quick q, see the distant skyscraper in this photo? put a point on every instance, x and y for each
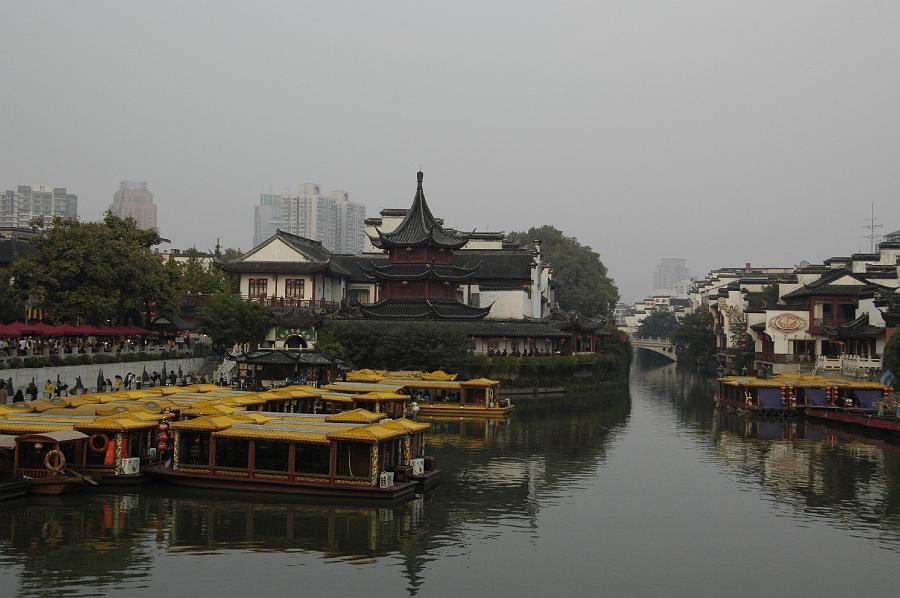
(671, 277)
(18, 208)
(332, 219)
(133, 200)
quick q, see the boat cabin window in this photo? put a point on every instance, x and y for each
(137, 444)
(31, 454)
(353, 459)
(475, 395)
(232, 452)
(312, 459)
(98, 458)
(72, 452)
(271, 456)
(193, 448)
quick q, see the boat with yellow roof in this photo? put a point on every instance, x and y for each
(354, 453)
(435, 393)
(816, 396)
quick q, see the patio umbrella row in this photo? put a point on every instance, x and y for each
(18, 329)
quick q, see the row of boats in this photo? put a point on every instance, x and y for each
(863, 403)
(355, 438)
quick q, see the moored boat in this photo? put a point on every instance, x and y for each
(432, 394)
(355, 453)
(50, 462)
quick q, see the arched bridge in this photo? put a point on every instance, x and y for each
(660, 346)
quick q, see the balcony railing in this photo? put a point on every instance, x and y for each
(784, 357)
(295, 303)
(858, 366)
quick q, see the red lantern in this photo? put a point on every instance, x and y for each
(163, 438)
(163, 427)
(547, 340)
(404, 283)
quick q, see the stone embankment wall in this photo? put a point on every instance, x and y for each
(21, 377)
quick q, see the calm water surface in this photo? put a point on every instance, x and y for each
(645, 491)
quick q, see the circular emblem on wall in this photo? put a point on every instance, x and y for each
(787, 322)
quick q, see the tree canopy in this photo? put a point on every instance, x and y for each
(414, 346)
(230, 320)
(695, 338)
(95, 272)
(658, 324)
(892, 354)
(584, 285)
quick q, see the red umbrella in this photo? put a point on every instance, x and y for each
(22, 328)
(69, 330)
(7, 331)
(105, 331)
(46, 329)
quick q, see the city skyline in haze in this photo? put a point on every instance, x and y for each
(721, 132)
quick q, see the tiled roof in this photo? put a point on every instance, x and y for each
(419, 309)
(419, 228)
(420, 272)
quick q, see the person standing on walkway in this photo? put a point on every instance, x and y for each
(48, 389)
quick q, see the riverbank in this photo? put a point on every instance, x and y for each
(89, 374)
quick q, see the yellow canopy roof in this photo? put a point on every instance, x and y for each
(295, 393)
(406, 425)
(86, 409)
(283, 435)
(208, 423)
(23, 427)
(480, 382)
(439, 375)
(78, 401)
(382, 396)
(372, 433)
(115, 424)
(354, 387)
(356, 416)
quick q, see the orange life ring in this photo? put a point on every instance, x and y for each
(93, 446)
(55, 461)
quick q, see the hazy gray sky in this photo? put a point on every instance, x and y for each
(719, 131)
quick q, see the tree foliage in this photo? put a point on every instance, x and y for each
(419, 346)
(892, 354)
(584, 285)
(96, 272)
(658, 324)
(695, 338)
(228, 320)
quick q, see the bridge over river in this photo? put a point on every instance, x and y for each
(660, 346)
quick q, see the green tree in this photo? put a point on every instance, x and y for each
(11, 307)
(584, 285)
(892, 354)
(229, 320)
(413, 346)
(766, 299)
(96, 272)
(198, 275)
(695, 338)
(658, 324)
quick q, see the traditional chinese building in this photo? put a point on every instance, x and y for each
(419, 280)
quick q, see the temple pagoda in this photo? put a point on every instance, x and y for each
(419, 281)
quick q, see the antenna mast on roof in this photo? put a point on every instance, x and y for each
(872, 226)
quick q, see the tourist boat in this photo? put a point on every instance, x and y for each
(836, 399)
(350, 454)
(50, 462)
(10, 487)
(866, 404)
(436, 397)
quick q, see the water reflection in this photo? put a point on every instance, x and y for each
(846, 478)
(499, 474)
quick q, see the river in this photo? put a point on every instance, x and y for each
(639, 491)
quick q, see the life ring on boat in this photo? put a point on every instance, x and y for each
(92, 443)
(54, 461)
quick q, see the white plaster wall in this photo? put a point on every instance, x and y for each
(21, 377)
(276, 251)
(483, 244)
(782, 339)
(507, 304)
